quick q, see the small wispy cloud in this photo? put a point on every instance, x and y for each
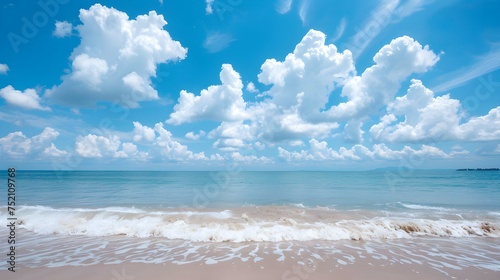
(284, 6)
(4, 68)
(485, 64)
(411, 6)
(63, 29)
(340, 30)
(251, 87)
(388, 12)
(379, 19)
(209, 10)
(216, 42)
(303, 9)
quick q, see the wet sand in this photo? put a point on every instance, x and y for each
(267, 269)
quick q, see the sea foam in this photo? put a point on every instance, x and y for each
(272, 224)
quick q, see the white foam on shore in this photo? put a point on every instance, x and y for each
(424, 207)
(226, 226)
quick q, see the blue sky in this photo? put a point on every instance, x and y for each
(266, 85)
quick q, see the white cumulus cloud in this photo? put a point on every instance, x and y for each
(219, 102)
(4, 68)
(153, 144)
(308, 75)
(193, 136)
(251, 87)
(63, 29)
(425, 117)
(16, 144)
(54, 152)
(27, 99)
(319, 151)
(168, 148)
(420, 116)
(482, 128)
(296, 106)
(143, 133)
(378, 84)
(116, 58)
(94, 146)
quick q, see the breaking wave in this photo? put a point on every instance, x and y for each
(269, 223)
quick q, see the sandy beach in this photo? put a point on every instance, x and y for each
(437, 258)
(268, 269)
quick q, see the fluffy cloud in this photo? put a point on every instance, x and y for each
(4, 68)
(275, 125)
(301, 103)
(307, 76)
(484, 128)
(221, 102)
(353, 132)
(143, 133)
(383, 152)
(94, 146)
(16, 144)
(302, 85)
(27, 99)
(434, 119)
(319, 151)
(63, 29)
(378, 84)
(158, 142)
(193, 136)
(170, 149)
(54, 152)
(116, 58)
(300, 88)
(229, 145)
(425, 117)
(251, 87)
(232, 135)
(236, 156)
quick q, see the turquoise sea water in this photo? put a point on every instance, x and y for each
(467, 190)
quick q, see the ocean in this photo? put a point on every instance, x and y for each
(448, 218)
